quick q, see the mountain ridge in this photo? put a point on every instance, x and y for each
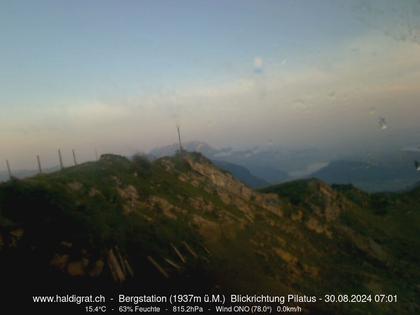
(181, 223)
(232, 159)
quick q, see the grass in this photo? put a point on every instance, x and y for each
(61, 207)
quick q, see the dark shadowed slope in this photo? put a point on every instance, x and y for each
(242, 174)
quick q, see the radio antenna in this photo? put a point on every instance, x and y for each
(39, 164)
(9, 171)
(181, 150)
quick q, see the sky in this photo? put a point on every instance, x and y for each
(118, 76)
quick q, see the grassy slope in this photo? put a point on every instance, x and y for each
(391, 221)
(272, 254)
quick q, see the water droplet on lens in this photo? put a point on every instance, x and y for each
(382, 123)
(258, 65)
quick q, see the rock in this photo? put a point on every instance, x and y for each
(280, 240)
(97, 268)
(313, 224)
(270, 202)
(167, 164)
(75, 186)
(131, 197)
(17, 233)
(286, 256)
(312, 271)
(59, 261)
(297, 216)
(224, 196)
(116, 180)
(77, 268)
(209, 230)
(245, 207)
(378, 250)
(93, 192)
(168, 209)
(218, 178)
(200, 204)
(183, 178)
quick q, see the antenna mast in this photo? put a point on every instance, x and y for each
(8, 169)
(181, 150)
(39, 164)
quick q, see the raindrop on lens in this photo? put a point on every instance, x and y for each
(382, 123)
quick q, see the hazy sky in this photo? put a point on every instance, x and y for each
(119, 75)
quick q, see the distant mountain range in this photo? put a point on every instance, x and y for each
(275, 165)
(369, 177)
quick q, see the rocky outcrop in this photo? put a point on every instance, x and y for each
(168, 209)
(85, 265)
(131, 198)
(77, 267)
(75, 186)
(218, 178)
(60, 261)
(286, 256)
(316, 226)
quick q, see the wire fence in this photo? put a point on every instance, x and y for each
(9, 173)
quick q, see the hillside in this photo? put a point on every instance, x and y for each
(369, 177)
(241, 173)
(180, 223)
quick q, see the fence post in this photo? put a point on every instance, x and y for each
(74, 157)
(39, 164)
(60, 159)
(8, 169)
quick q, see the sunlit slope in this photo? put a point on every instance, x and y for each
(181, 223)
